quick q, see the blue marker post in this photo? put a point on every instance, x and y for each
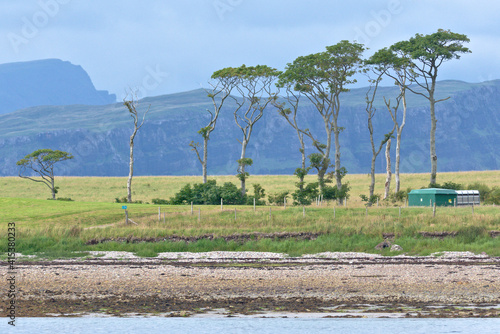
(124, 207)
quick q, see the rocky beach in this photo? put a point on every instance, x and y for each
(458, 284)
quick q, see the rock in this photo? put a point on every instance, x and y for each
(395, 248)
(384, 244)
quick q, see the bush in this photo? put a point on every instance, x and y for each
(231, 194)
(277, 198)
(124, 200)
(369, 201)
(160, 201)
(258, 193)
(484, 190)
(493, 197)
(67, 199)
(208, 193)
(446, 185)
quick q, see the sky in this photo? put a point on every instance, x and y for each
(165, 46)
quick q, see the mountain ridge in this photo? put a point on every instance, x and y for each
(97, 136)
(47, 82)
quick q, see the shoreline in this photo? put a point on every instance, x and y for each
(251, 284)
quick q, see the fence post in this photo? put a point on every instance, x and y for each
(303, 211)
(399, 212)
(191, 208)
(269, 212)
(366, 211)
(333, 212)
(164, 218)
(221, 204)
(434, 210)
(199, 214)
(159, 213)
(254, 204)
(126, 217)
(472, 208)
(284, 202)
(377, 201)
(234, 214)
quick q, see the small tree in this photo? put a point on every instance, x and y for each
(131, 105)
(42, 162)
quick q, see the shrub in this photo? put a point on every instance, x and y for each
(277, 198)
(209, 194)
(124, 200)
(493, 197)
(369, 201)
(231, 194)
(184, 196)
(446, 185)
(258, 193)
(160, 201)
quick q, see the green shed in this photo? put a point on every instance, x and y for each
(427, 197)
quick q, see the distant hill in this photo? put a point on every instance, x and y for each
(47, 82)
(468, 134)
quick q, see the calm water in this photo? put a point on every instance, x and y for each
(238, 325)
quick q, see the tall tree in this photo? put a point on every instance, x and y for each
(322, 78)
(221, 90)
(288, 109)
(371, 111)
(254, 86)
(131, 104)
(428, 52)
(397, 66)
(42, 163)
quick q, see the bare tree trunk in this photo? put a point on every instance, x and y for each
(338, 177)
(396, 167)
(204, 162)
(53, 188)
(242, 168)
(131, 106)
(389, 174)
(372, 175)
(303, 165)
(131, 168)
(433, 141)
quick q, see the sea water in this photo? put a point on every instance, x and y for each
(151, 325)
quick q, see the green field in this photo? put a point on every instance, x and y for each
(58, 228)
(145, 188)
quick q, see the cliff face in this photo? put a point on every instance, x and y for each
(47, 82)
(467, 135)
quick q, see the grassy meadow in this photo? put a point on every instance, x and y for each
(145, 188)
(59, 228)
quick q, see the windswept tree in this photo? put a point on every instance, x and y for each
(396, 66)
(289, 109)
(221, 90)
(322, 78)
(131, 103)
(428, 53)
(42, 163)
(254, 87)
(371, 111)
